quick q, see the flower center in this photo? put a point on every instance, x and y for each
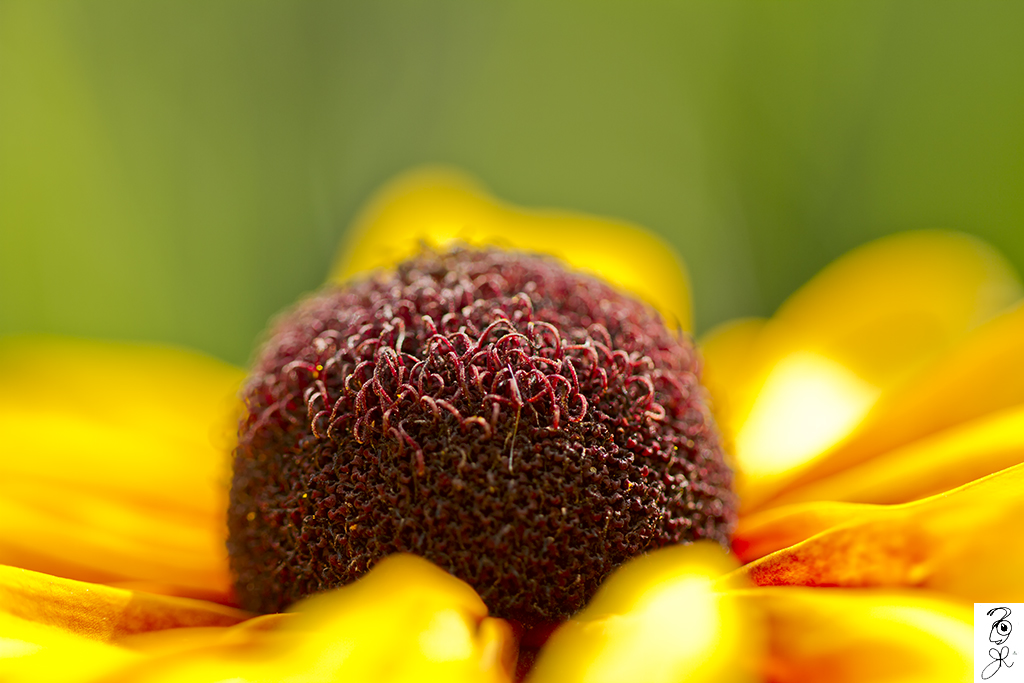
(526, 428)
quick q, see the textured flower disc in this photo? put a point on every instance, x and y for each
(527, 428)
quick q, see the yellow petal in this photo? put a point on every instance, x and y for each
(730, 353)
(840, 636)
(102, 612)
(186, 641)
(54, 629)
(805, 402)
(36, 653)
(968, 542)
(880, 307)
(437, 206)
(982, 375)
(805, 380)
(114, 462)
(925, 467)
(765, 532)
(407, 620)
(658, 618)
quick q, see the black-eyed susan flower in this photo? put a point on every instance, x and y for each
(874, 425)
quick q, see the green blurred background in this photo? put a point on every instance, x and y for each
(179, 171)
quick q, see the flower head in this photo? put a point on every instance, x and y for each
(876, 421)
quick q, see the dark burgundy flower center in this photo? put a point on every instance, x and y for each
(527, 428)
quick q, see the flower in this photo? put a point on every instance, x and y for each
(877, 422)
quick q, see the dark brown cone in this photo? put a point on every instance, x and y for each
(526, 428)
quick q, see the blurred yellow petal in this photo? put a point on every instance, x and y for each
(407, 620)
(185, 641)
(982, 375)
(114, 462)
(807, 378)
(925, 467)
(805, 402)
(437, 206)
(765, 532)
(730, 352)
(102, 612)
(837, 636)
(63, 630)
(659, 618)
(36, 653)
(968, 543)
(883, 307)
